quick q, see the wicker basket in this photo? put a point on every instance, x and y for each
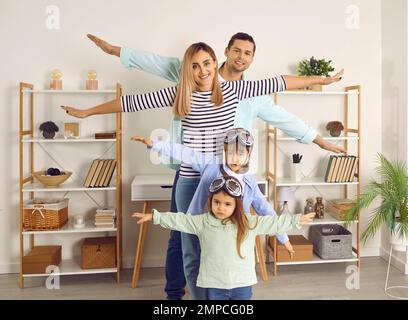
(98, 253)
(45, 215)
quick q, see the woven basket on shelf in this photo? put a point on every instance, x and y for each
(45, 215)
(98, 253)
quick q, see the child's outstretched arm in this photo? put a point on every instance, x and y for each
(283, 223)
(177, 151)
(175, 221)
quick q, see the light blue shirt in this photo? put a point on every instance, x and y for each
(209, 167)
(262, 107)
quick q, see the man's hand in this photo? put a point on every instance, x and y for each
(329, 80)
(75, 112)
(148, 142)
(143, 217)
(105, 46)
(328, 146)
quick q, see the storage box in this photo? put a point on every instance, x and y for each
(97, 253)
(40, 257)
(338, 208)
(303, 249)
(42, 214)
(331, 241)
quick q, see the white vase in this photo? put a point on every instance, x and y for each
(295, 172)
(399, 243)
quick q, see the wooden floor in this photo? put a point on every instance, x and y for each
(293, 282)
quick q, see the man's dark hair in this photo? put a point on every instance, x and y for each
(241, 36)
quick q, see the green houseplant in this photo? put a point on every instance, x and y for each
(315, 67)
(393, 210)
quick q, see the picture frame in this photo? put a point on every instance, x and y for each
(71, 130)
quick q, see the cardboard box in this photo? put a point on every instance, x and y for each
(97, 253)
(303, 249)
(40, 257)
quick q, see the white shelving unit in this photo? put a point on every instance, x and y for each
(29, 187)
(351, 135)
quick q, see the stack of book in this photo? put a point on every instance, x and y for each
(105, 218)
(341, 169)
(100, 173)
(338, 208)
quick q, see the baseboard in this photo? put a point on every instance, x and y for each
(9, 268)
(369, 252)
(395, 261)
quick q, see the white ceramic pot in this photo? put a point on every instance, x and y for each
(398, 243)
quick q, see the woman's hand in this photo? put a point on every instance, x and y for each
(289, 247)
(336, 78)
(105, 46)
(146, 141)
(143, 217)
(75, 112)
(307, 218)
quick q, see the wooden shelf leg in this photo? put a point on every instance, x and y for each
(139, 249)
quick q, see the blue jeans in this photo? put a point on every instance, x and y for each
(242, 293)
(191, 247)
(175, 280)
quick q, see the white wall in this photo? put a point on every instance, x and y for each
(285, 32)
(394, 99)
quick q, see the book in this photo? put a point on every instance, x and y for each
(331, 170)
(345, 175)
(340, 169)
(336, 169)
(103, 168)
(105, 173)
(329, 165)
(110, 174)
(91, 172)
(96, 174)
(353, 170)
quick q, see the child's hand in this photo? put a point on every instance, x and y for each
(146, 141)
(307, 218)
(75, 112)
(144, 217)
(336, 78)
(289, 247)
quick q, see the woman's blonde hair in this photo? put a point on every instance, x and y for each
(238, 218)
(186, 86)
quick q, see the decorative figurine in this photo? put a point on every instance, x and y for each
(319, 208)
(71, 130)
(91, 82)
(309, 206)
(56, 82)
(48, 129)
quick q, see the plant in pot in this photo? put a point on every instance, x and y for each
(315, 67)
(393, 210)
(334, 128)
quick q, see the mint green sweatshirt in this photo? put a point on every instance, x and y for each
(221, 267)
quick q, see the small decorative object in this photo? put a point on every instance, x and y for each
(91, 82)
(335, 128)
(315, 67)
(319, 208)
(295, 169)
(53, 177)
(105, 135)
(56, 82)
(48, 129)
(309, 206)
(285, 194)
(71, 130)
(79, 221)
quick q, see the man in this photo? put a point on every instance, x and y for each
(239, 56)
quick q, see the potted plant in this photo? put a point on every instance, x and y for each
(315, 67)
(393, 210)
(334, 128)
